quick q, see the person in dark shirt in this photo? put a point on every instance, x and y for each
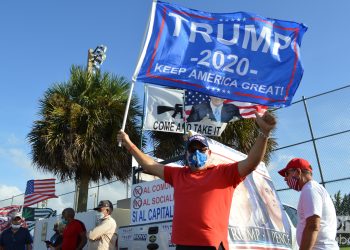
(16, 237)
(55, 241)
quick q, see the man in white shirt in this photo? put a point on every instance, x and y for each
(103, 236)
(317, 225)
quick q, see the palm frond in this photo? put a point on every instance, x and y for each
(79, 121)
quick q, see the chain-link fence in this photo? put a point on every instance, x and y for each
(316, 128)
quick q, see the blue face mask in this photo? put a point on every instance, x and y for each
(197, 159)
(64, 221)
(100, 215)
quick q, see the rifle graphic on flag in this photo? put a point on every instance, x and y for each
(177, 110)
(164, 109)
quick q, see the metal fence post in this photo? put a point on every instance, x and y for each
(313, 140)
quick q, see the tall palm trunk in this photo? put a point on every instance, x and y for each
(83, 190)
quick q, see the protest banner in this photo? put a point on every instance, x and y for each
(343, 231)
(178, 111)
(237, 56)
(151, 202)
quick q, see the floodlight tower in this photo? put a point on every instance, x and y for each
(96, 58)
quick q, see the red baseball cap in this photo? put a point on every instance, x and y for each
(296, 163)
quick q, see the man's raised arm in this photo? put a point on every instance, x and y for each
(266, 123)
(149, 165)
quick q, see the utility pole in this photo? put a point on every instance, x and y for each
(76, 195)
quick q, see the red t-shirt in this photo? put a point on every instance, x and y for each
(71, 235)
(202, 202)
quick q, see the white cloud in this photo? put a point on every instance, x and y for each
(279, 160)
(20, 158)
(14, 140)
(113, 192)
(59, 204)
(7, 192)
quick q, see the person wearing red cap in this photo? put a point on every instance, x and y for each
(317, 224)
(202, 191)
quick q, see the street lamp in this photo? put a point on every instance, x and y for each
(96, 58)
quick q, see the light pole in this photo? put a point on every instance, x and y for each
(95, 199)
(96, 58)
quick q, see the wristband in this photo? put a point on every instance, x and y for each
(263, 134)
(132, 147)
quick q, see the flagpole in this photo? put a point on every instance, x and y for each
(145, 41)
(127, 107)
(98, 189)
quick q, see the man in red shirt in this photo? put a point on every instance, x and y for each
(203, 192)
(74, 234)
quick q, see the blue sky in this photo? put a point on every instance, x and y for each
(40, 40)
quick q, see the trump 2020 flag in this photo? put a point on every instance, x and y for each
(237, 56)
(39, 190)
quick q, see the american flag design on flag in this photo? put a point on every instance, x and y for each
(194, 98)
(39, 190)
(4, 211)
(246, 109)
(5, 214)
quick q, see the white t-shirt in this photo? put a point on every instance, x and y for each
(314, 200)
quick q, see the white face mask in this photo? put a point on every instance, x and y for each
(15, 226)
(100, 215)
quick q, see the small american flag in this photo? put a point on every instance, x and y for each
(5, 213)
(39, 190)
(246, 109)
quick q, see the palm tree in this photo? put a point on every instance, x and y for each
(75, 136)
(166, 145)
(341, 203)
(239, 135)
